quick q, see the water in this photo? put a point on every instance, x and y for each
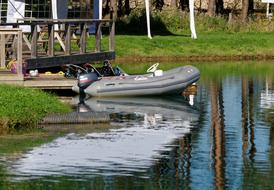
(223, 138)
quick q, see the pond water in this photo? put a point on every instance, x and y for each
(218, 136)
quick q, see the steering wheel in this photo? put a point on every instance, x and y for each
(153, 68)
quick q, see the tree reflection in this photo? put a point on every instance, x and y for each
(248, 134)
(173, 171)
(218, 134)
(270, 119)
(269, 80)
(256, 174)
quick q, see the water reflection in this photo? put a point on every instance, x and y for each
(148, 111)
(149, 127)
(218, 134)
(253, 158)
(267, 95)
(226, 140)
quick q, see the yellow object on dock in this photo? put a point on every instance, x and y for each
(60, 73)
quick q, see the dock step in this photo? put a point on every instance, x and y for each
(77, 118)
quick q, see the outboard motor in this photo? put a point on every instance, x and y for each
(84, 80)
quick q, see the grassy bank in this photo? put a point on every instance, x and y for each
(171, 36)
(209, 70)
(207, 44)
(24, 107)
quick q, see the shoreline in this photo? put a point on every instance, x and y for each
(192, 58)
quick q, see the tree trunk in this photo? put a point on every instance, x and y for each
(211, 8)
(200, 6)
(251, 7)
(120, 8)
(244, 10)
(219, 6)
(113, 9)
(173, 3)
(158, 4)
(127, 7)
(184, 4)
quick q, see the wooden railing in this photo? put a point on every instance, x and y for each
(44, 34)
(64, 35)
(7, 36)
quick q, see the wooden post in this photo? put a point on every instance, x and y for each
(98, 37)
(111, 36)
(67, 39)
(19, 55)
(83, 38)
(2, 51)
(34, 38)
(51, 40)
(112, 25)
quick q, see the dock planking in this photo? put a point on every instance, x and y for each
(50, 82)
(47, 82)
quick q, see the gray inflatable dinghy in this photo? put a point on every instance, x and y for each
(155, 82)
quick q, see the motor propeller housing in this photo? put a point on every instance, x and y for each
(86, 79)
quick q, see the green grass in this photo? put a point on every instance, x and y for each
(171, 35)
(208, 70)
(207, 44)
(24, 107)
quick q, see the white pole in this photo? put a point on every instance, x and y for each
(54, 13)
(54, 9)
(100, 9)
(101, 12)
(148, 20)
(191, 18)
(268, 15)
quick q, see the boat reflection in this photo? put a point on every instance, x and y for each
(148, 127)
(150, 111)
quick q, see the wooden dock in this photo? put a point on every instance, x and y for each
(50, 82)
(47, 82)
(51, 43)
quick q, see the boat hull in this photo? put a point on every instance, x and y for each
(172, 81)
